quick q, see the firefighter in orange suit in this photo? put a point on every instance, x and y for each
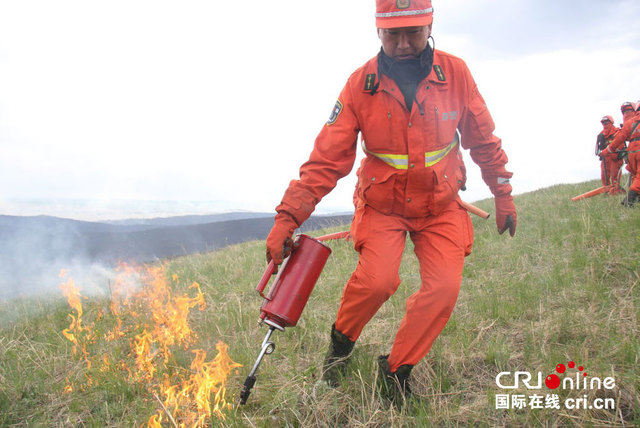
(414, 108)
(630, 132)
(609, 165)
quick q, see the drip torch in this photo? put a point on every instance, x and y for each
(289, 292)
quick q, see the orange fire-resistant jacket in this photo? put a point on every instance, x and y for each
(413, 165)
(608, 133)
(630, 131)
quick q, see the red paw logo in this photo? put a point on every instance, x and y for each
(553, 380)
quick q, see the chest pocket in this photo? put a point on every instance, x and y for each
(440, 115)
(380, 123)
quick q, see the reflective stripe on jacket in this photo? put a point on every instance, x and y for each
(413, 165)
(402, 161)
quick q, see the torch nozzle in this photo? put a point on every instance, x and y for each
(267, 348)
(246, 389)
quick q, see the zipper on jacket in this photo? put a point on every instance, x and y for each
(437, 122)
(419, 106)
(396, 98)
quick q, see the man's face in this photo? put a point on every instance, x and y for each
(628, 114)
(404, 43)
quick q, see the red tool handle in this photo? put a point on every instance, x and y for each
(271, 268)
(474, 210)
(337, 235)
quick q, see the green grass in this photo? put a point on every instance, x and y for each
(567, 287)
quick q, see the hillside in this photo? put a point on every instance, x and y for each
(565, 289)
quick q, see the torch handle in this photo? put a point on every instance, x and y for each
(271, 268)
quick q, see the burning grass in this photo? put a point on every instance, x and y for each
(149, 324)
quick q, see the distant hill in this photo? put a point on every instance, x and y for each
(189, 219)
(176, 240)
(35, 248)
(10, 223)
(137, 239)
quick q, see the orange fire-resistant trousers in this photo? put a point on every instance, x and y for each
(633, 165)
(440, 244)
(610, 170)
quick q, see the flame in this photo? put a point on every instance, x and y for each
(144, 354)
(154, 322)
(155, 421)
(68, 387)
(72, 293)
(207, 378)
(106, 364)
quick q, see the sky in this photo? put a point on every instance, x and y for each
(213, 106)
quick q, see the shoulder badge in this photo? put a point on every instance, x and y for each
(439, 73)
(403, 4)
(335, 113)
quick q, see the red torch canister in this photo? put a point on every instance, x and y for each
(288, 294)
(294, 283)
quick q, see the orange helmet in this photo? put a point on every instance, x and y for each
(403, 13)
(606, 119)
(627, 106)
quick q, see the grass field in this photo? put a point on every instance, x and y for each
(566, 288)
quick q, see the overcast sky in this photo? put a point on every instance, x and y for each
(221, 101)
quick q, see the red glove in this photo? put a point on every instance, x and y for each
(279, 242)
(506, 217)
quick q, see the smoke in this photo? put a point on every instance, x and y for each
(34, 250)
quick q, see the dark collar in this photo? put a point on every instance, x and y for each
(414, 69)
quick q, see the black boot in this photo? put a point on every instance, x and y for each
(335, 362)
(394, 386)
(630, 199)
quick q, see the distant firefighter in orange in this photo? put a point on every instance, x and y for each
(609, 165)
(630, 132)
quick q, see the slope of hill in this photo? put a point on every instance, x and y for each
(565, 289)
